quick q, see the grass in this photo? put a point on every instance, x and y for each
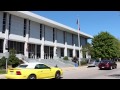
(2, 71)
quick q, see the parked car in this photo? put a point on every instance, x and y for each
(34, 71)
(93, 63)
(107, 64)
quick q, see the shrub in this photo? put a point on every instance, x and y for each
(65, 58)
(84, 62)
(13, 60)
(3, 62)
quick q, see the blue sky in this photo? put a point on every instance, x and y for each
(91, 22)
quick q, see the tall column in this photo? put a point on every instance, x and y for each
(5, 43)
(55, 45)
(65, 50)
(74, 54)
(42, 44)
(26, 46)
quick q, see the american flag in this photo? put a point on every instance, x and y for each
(78, 24)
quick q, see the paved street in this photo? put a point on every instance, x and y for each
(88, 73)
(91, 73)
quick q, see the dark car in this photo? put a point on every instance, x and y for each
(107, 64)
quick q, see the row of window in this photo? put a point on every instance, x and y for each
(29, 23)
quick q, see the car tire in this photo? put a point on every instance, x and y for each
(57, 75)
(32, 76)
(111, 67)
(100, 68)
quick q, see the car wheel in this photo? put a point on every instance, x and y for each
(32, 77)
(111, 67)
(57, 75)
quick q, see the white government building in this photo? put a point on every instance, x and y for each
(36, 37)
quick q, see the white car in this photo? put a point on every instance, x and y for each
(93, 63)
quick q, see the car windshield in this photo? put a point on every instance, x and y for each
(105, 61)
(22, 66)
(91, 62)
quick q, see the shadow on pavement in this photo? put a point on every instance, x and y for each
(115, 75)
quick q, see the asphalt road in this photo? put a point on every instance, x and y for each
(91, 73)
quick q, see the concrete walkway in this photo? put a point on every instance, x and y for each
(2, 76)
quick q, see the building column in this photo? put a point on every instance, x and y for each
(65, 50)
(26, 49)
(74, 54)
(55, 51)
(42, 51)
(5, 43)
(42, 45)
(26, 46)
(55, 45)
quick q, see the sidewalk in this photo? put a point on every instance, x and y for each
(2, 76)
(73, 68)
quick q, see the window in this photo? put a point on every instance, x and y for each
(70, 53)
(4, 22)
(41, 66)
(22, 66)
(62, 52)
(64, 37)
(9, 23)
(53, 34)
(72, 39)
(40, 31)
(29, 29)
(25, 26)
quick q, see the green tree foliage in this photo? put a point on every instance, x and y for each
(87, 48)
(105, 46)
(2, 62)
(13, 60)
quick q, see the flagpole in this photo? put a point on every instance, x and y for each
(79, 41)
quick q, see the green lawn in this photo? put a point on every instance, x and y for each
(2, 71)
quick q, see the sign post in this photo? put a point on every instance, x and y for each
(6, 56)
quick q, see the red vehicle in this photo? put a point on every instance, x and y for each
(107, 64)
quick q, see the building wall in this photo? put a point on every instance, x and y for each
(1, 21)
(48, 33)
(34, 30)
(69, 38)
(17, 25)
(83, 41)
(76, 40)
(34, 36)
(60, 37)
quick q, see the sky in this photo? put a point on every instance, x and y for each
(91, 22)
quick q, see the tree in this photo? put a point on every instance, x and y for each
(13, 60)
(87, 48)
(105, 46)
(2, 62)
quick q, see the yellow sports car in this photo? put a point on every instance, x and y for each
(34, 71)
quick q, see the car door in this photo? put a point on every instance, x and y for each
(45, 71)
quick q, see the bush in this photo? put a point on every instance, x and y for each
(13, 60)
(65, 58)
(84, 62)
(2, 63)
